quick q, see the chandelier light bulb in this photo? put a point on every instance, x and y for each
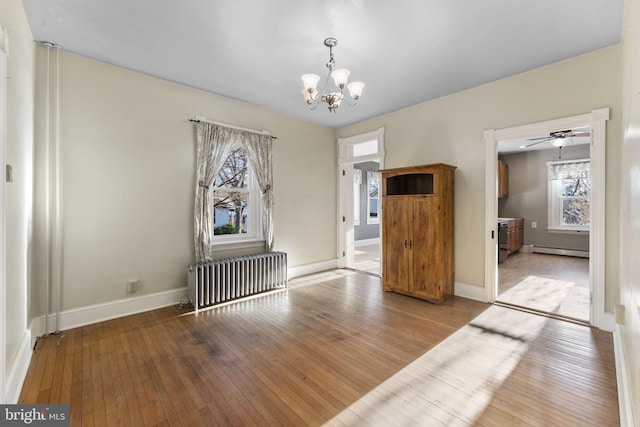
(355, 89)
(340, 77)
(310, 81)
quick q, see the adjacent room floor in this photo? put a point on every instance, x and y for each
(367, 259)
(548, 283)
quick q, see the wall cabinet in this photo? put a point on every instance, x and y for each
(417, 231)
(503, 180)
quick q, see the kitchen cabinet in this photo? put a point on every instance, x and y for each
(417, 231)
(515, 235)
(503, 180)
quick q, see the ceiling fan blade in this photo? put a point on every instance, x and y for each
(579, 134)
(542, 138)
(535, 143)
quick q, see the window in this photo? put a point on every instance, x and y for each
(236, 200)
(373, 197)
(365, 148)
(569, 195)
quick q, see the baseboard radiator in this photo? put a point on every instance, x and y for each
(228, 279)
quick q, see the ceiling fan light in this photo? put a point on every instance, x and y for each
(340, 77)
(557, 142)
(310, 81)
(355, 89)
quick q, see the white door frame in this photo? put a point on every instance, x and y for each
(4, 53)
(596, 119)
(346, 160)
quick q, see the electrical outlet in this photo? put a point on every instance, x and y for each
(534, 224)
(132, 285)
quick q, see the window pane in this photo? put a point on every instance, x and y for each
(373, 208)
(365, 148)
(576, 187)
(230, 212)
(234, 173)
(575, 211)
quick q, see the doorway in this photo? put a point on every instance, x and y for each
(366, 218)
(359, 234)
(543, 223)
(596, 123)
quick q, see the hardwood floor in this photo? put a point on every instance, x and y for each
(333, 349)
(553, 284)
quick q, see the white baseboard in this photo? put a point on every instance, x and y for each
(82, 316)
(18, 371)
(476, 293)
(554, 251)
(607, 322)
(315, 267)
(622, 377)
(366, 242)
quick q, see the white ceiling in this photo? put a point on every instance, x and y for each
(405, 51)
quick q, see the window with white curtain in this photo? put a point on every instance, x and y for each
(569, 189)
(373, 197)
(357, 181)
(236, 199)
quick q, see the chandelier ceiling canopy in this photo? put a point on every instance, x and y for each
(333, 91)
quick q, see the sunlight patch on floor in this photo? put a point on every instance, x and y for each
(550, 295)
(317, 278)
(452, 383)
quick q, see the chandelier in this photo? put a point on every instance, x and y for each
(334, 86)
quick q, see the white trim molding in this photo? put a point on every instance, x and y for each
(76, 317)
(4, 53)
(475, 293)
(15, 378)
(622, 377)
(596, 120)
(315, 267)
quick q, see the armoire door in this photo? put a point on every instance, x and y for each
(395, 234)
(426, 249)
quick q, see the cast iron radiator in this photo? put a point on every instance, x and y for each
(232, 278)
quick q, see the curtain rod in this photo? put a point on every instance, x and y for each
(199, 119)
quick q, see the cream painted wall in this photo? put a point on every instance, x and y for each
(630, 201)
(18, 194)
(450, 129)
(128, 166)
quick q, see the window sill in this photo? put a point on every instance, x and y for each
(565, 231)
(231, 245)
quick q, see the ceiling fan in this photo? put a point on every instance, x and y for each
(557, 138)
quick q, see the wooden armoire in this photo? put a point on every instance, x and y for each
(417, 231)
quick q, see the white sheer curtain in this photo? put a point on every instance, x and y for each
(214, 145)
(258, 148)
(357, 176)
